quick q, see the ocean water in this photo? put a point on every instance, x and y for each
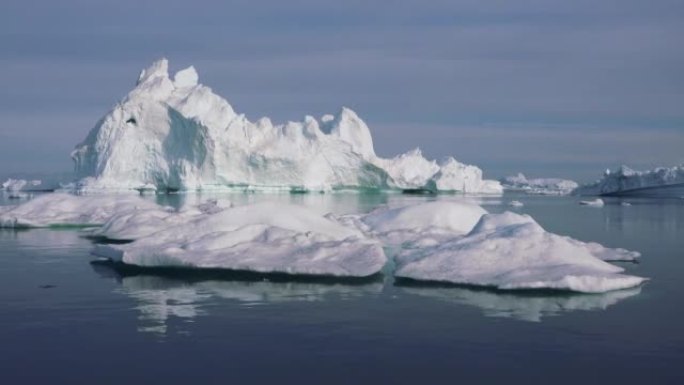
(66, 320)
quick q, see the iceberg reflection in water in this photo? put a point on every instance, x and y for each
(162, 295)
(525, 306)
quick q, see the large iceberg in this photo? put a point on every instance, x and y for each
(176, 134)
(510, 251)
(264, 237)
(661, 181)
(538, 186)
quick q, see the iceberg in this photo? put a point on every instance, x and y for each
(176, 134)
(61, 209)
(661, 181)
(538, 186)
(510, 252)
(263, 237)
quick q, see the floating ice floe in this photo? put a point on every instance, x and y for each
(510, 251)
(598, 202)
(539, 186)
(176, 134)
(515, 204)
(263, 237)
(661, 181)
(60, 209)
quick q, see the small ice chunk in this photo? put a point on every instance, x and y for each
(598, 202)
(515, 204)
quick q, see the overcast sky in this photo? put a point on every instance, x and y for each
(549, 88)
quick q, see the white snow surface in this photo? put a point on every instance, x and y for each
(177, 134)
(510, 251)
(264, 237)
(538, 186)
(60, 209)
(427, 222)
(624, 179)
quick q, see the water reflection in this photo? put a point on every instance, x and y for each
(636, 214)
(350, 202)
(162, 295)
(527, 306)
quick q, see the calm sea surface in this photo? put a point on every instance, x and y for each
(64, 320)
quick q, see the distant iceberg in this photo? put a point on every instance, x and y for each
(176, 134)
(19, 188)
(661, 181)
(539, 186)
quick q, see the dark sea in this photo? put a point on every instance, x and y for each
(66, 320)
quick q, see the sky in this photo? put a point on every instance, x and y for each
(547, 88)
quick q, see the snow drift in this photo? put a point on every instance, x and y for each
(661, 181)
(176, 134)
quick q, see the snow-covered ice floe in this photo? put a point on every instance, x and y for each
(510, 251)
(61, 209)
(662, 181)
(538, 186)
(263, 237)
(598, 202)
(176, 134)
(515, 204)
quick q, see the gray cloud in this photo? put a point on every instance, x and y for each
(576, 86)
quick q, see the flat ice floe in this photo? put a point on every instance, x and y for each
(60, 209)
(510, 251)
(177, 134)
(263, 237)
